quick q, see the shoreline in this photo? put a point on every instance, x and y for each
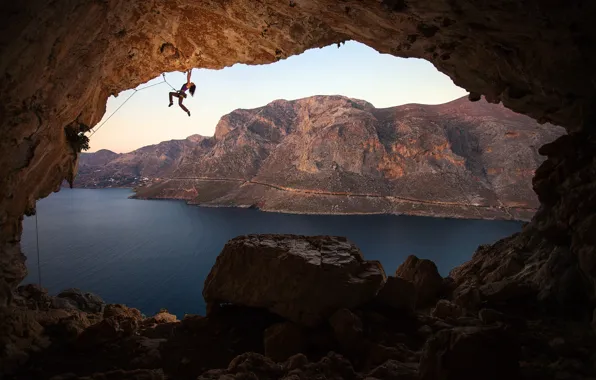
(297, 212)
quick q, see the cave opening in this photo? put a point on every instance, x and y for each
(61, 61)
(408, 114)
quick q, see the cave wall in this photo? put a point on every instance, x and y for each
(60, 60)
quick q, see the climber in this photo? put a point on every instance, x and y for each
(182, 93)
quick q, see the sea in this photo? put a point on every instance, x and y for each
(153, 254)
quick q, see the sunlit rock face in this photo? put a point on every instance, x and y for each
(61, 60)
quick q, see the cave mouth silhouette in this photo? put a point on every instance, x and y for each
(60, 63)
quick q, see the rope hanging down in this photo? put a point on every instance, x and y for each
(93, 131)
(37, 246)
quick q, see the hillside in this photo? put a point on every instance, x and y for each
(332, 154)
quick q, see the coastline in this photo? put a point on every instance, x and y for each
(476, 214)
(303, 212)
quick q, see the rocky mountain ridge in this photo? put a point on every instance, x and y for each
(337, 155)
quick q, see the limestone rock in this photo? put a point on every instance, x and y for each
(507, 57)
(490, 316)
(138, 374)
(347, 328)
(295, 362)
(506, 291)
(394, 370)
(119, 311)
(162, 317)
(467, 297)
(65, 327)
(425, 330)
(87, 302)
(446, 310)
(246, 366)
(470, 353)
(379, 354)
(256, 366)
(425, 277)
(283, 340)
(492, 48)
(35, 297)
(63, 304)
(20, 334)
(304, 279)
(118, 321)
(398, 293)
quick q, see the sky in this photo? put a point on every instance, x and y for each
(353, 70)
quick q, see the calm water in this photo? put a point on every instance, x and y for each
(154, 254)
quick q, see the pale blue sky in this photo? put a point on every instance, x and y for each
(353, 70)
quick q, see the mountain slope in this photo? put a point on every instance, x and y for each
(332, 154)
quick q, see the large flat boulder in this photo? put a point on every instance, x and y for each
(302, 278)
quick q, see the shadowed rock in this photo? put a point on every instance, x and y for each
(283, 340)
(446, 310)
(398, 293)
(87, 302)
(488, 353)
(425, 277)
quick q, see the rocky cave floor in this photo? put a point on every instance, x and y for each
(412, 328)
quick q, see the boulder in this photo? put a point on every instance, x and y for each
(425, 277)
(398, 293)
(137, 374)
(490, 316)
(100, 333)
(283, 340)
(120, 311)
(20, 333)
(163, 316)
(251, 365)
(488, 353)
(295, 362)
(127, 318)
(63, 304)
(347, 328)
(35, 297)
(379, 354)
(118, 321)
(64, 324)
(302, 278)
(87, 302)
(506, 291)
(468, 297)
(446, 310)
(425, 331)
(394, 370)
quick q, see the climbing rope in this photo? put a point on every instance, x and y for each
(168, 83)
(94, 130)
(37, 246)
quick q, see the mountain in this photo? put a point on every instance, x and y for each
(333, 154)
